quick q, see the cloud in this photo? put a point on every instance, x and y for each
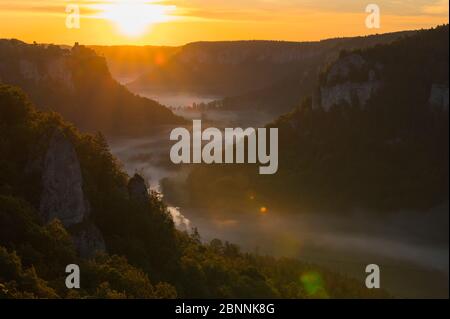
(239, 10)
(255, 10)
(438, 8)
(45, 7)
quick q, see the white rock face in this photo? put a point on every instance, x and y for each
(58, 71)
(439, 96)
(348, 93)
(342, 68)
(55, 70)
(29, 71)
(338, 88)
(62, 196)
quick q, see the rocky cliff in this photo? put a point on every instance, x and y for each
(77, 84)
(62, 195)
(350, 80)
(272, 74)
(55, 71)
(137, 189)
(62, 183)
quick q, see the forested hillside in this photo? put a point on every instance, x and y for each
(120, 235)
(281, 95)
(268, 75)
(77, 84)
(373, 136)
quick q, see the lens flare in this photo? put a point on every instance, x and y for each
(313, 284)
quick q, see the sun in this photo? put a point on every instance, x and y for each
(134, 18)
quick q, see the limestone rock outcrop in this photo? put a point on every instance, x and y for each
(62, 190)
(343, 67)
(348, 93)
(350, 80)
(62, 194)
(137, 189)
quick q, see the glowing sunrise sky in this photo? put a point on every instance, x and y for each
(175, 22)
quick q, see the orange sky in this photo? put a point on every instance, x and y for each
(175, 22)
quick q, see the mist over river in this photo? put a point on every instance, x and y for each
(410, 248)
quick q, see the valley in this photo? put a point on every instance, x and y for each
(410, 263)
(411, 251)
(362, 176)
(346, 239)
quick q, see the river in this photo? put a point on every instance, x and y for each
(411, 248)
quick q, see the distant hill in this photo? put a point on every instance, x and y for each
(374, 135)
(254, 74)
(222, 68)
(127, 63)
(77, 84)
(283, 94)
